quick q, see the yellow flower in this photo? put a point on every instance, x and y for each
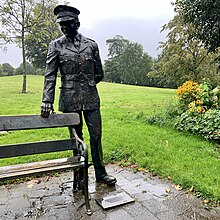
(199, 102)
(200, 109)
(192, 104)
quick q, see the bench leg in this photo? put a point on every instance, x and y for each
(75, 181)
(78, 179)
(86, 191)
(82, 184)
(86, 181)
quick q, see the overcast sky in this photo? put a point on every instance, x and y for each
(138, 21)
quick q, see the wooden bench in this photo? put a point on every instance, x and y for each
(78, 162)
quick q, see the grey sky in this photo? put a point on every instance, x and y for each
(138, 21)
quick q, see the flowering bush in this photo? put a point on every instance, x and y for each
(200, 105)
(197, 98)
(187, 93)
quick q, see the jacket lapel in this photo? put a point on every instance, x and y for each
(83, 43)
(70, 46)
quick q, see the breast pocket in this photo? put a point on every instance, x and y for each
(67, 65)
(88, 64)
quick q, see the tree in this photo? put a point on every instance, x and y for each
(17, 17)
(1, 71)
(40, 35)
(204, 15)
(111, 69)
(8, 69)
(29, 68)
(128, 63)
(116, 46)
(184, 58)
(134, 65)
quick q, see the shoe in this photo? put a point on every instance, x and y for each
(108, 180)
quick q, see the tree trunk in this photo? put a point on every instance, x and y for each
(24, 87)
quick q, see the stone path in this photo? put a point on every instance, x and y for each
(51, 198)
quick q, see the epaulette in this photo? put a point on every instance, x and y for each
(90, 39)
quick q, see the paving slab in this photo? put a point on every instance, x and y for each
(51, 198)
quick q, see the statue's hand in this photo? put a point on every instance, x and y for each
(46, 107)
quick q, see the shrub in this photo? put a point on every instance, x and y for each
(187, 93)
(202, 113)
(198, 98)
(155, 120)
(207, 124)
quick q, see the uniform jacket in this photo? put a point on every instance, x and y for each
(80, 69)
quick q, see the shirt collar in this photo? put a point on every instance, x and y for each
(78, 37)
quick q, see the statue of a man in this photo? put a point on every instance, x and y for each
(78, 60)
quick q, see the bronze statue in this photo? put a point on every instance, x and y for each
(77, 58)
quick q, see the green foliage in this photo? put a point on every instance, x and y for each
(41, 34)
(128, 63)
(1, 71)
(204, 15)
(201, 111)
(172, 110)
(18, 19)
(29, 68)
(7, 69)
(210, 97)
(196, 111)
(184, 58)
(157, 120)
(206, 125)
(198, 98)
(112, 69)
(117, 46)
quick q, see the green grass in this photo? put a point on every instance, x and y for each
(188, 160)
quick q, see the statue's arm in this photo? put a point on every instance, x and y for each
(98, 64)
(52, 64)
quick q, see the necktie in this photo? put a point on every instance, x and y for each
(76, 43)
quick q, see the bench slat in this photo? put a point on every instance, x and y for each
(22, 170)
(23, 122)
(15, 150)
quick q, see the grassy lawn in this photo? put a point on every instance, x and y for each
(186, 159)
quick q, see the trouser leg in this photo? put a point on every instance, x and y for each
(79, 127)
(94, 124)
